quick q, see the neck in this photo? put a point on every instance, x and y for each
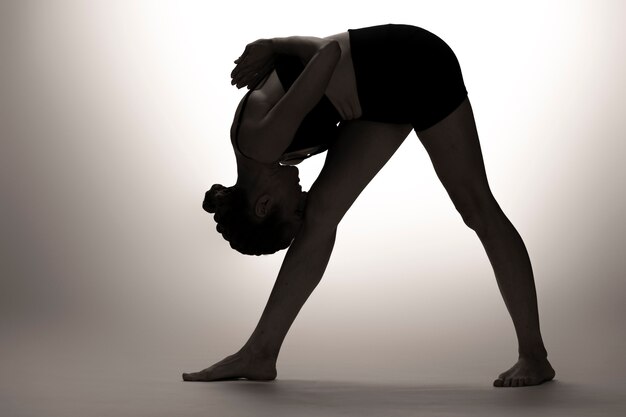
(252, 174)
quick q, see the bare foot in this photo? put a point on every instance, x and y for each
(526, 372)
(237, 366)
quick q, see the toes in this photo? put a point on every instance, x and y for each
(193, 376)
(509, 382)
(517, 382)
(532, 381)
(188, 376)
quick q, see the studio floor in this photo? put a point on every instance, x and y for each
(151, 395)
(64, 379)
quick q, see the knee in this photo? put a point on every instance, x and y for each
(475, 220)
(478, 212)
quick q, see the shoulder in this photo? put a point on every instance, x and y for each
(251, 132)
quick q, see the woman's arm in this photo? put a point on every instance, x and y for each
(304, 47)
(271, 133)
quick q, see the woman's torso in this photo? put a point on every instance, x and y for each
(342, 89)
(341, 93)
(388, 73)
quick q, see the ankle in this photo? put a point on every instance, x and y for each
(259, 353)
(537, 355)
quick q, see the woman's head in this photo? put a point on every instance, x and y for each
(259, 217)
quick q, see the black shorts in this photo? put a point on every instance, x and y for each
(405, 74)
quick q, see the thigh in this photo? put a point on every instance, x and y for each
(353, 159)
(454, 149)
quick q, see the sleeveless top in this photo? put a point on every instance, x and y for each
(318, 128)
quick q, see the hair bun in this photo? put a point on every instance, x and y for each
(213, 197)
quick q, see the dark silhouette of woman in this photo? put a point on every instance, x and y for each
(358, 95)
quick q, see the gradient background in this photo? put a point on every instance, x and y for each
(114, 121)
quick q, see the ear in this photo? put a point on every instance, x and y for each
(263, 205)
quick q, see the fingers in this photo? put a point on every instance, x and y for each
(253, 79)
(242, 76)
(243, 55)
(247, 64)
(235, 72)
(250, 75)
(248, 80)
(241, 67)
(254, 62)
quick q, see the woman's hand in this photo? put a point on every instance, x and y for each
(254, 64)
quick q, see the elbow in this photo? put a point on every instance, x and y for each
(333, 49)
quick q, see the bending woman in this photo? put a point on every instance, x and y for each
(358, 95)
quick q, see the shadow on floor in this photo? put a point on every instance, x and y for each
(349, 398)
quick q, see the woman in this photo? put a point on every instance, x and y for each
(358, 94)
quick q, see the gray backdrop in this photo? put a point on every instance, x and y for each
(114, 121)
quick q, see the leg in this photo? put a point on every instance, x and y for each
(454, 149)
(355, 157)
